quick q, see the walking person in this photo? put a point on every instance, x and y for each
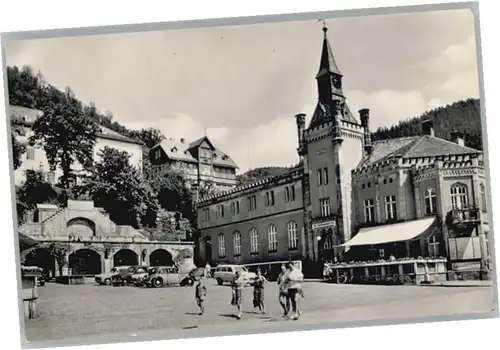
(200, 293)
(283, 291)
(208, 269)
(258, 291)
(294, 277)
(237, 291)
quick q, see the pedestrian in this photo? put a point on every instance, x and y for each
(283, 291)
(258, 291)
(200, 293)
(237, 291)
(293, 278)
(207, 270)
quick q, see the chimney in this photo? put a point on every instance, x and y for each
(301, 125)
(428, 127)
(183, 140)
(364, 116)
(458, 138)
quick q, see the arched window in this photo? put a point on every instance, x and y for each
(459, 198)
(236, 243)
(484, 205)
(254, 241)
(293, 239)
(272, 236)
(430, 201)
(221, 245)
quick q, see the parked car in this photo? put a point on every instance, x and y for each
(141, 276)
(227, 274)
(107, 277)
(169, 275)
(124, 277)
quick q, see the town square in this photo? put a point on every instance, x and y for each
(134, 222)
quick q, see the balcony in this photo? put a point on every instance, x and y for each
(462, 218)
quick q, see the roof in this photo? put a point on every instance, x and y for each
(401, 231)
(414, 147)
(327, 63)
(184, 152)
(113, 135)
(322, 114)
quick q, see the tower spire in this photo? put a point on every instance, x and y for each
(327, 63)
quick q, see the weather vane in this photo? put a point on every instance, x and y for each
(324, 24)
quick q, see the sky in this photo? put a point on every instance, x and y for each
(242, 85)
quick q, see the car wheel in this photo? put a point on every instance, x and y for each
(188, 282)
(107, 281)
(219, 281)
(157, 282)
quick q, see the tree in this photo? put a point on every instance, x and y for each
(117, 186)
(66, 134)
(17, 147)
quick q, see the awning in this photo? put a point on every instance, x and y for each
(402, 231)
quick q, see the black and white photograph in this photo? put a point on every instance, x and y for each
(248, 178)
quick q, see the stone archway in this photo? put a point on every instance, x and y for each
(41, 258)
(85, 262)
(161, 257)
(81, 226)
(125, 257)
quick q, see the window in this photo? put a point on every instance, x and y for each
(337, 173)
(254, 241)
(206, 214)
(51, 177)
(369, 210)
(235, 207)
(237, 243)
(222, 245)
(458, 196)
(325, 206)
(322, 176)
(272, 236)
(30, 153)
(430, 201)
(251, 203)
(269, 199)
(482, 192)
(390, 207)
(289, 193)
(293, 239)
(433, 247)
(220, 211)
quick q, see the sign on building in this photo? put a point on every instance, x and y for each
(326, 224)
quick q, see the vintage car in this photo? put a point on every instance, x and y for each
(107, 277)
(142, 275)
(169, 275)
(227, 274)
(124, 276)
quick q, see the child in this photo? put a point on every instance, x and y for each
(237, 291)
(200, 293)
(258, 292)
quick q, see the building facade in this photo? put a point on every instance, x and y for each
(34, 157)
(354, 198)
(200, 161)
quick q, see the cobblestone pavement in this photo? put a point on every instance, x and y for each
(90, 310)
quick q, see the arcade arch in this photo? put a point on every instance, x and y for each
(85, 262)
(125, 257)
(161, 257)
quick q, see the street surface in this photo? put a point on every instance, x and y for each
(91, 310)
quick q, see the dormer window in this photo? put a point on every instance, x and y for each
(173, 149)
(225, 157)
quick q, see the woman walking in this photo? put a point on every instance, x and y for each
(258, 291)
(237, 290)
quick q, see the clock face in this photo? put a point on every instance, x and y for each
(336, 82)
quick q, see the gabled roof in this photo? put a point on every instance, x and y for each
(184, 152)
(322, 114)
(414, 147)
(110, 134)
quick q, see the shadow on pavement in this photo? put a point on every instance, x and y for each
(228, 316)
